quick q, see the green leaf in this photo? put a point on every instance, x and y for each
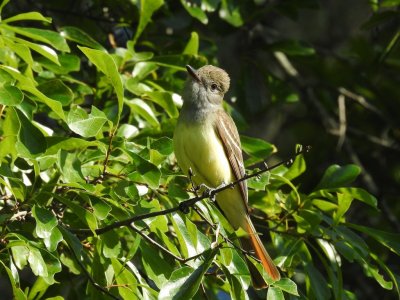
(18, 294)
(156, 266)
(111, 244)
(337, 176)
(177, 62)
(53, 266)
(127, 131)
(389, 3)
(28, 85)
(138, 106)
(100, 208)
(106, 64)
(2, 4)
(69, 144)
(31, 141)
(195, 11)
(293, 48)
(184, 282)
(79, 36)
(356, 241)
(344, 202)
(287, 285)
(275, 293)
(53, 240)
(33, 16)
(317, 282)
(373, 271)
(45, 221)
(230, 12)
(145, 171)
(142, 70)
(356, 193)
(36, 262)
(190, 239)
(307, 220)
(259, 182)
(67, 63)
(70, 167)
(192, 47)
(84, 215)
(72, 241)
(257, 149)
(236, 290)
(86, 125)
(46, 36)
(57, 90)
(388, 239)
(21, 50)
(163, 145)
(43, 50)
(38, 289)
(126, 281)
(10, 95)
(297, 168)
(147, 8)
(20, 255)
(164, 99)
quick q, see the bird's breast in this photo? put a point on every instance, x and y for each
(197, 146)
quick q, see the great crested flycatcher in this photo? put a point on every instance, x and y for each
(206, 141)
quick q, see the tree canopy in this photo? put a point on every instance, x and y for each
(92, 202)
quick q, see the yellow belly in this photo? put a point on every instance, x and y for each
(198, 147)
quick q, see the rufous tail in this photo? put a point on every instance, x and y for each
(261, 254)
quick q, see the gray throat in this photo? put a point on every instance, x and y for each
(192, 113)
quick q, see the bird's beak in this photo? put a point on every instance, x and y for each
(192, 72)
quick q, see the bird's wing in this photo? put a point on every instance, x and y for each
(227, 131)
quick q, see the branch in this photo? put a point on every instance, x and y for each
(90, 278)
(185, 206)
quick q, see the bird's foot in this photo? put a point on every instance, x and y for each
(210, 192)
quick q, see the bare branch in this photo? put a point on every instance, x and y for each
(342, 121)
(91, 279)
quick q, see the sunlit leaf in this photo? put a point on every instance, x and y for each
(337, 176)
(184, 282)
(57, 90)
(47, 36)
(31, 141)
(10, 95)
(77, 35)
(45, 221)
(147, 8)
(33, 16)
(195, 11)
(192, 47)
(106, 64)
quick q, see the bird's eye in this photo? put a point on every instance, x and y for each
(214, 87)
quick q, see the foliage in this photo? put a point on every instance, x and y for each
(85, 142)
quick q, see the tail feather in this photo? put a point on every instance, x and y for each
(261, 253)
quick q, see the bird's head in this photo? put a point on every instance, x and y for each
(206, 86)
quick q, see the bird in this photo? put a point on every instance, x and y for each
(207, 145)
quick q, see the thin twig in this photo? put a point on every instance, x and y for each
(154, 243)
(185, 206)
(362, 101)
(342, 121)
(108, 152)
(91, 280)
